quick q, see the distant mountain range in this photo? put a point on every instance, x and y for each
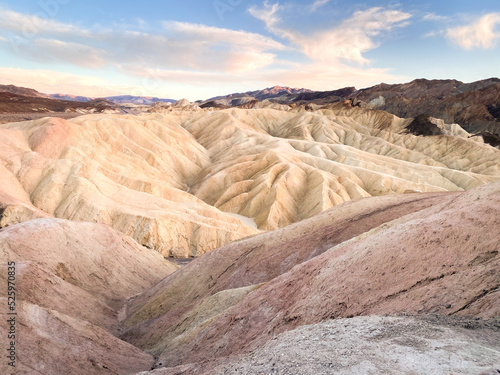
(146, 100)
(71, 98)
(277, 93)
(475, 106)
(11, 103)
(120, 99)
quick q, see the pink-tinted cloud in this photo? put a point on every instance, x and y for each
(482, 33)
(347, 41)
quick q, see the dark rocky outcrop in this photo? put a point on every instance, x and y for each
(421, 125)
(492, 139)
(326, 96)
(213, 104)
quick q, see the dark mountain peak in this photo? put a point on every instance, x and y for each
(432, 82)
(283, 89)
(104, 101)
(272, 92)
(275, 91)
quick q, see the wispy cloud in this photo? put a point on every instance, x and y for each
(318, 4)
(269, 15)
(330, 52)
(53, 50)
(482, 33)
(29, 26)
(348, 41)
(219, 35)
(434, 17)
(224, 49)
(178, 45)
(435, 33)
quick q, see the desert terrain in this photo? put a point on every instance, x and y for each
(281, 231)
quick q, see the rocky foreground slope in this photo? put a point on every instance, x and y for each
(72, 278)
(313, 297)
(368, 345)
(184, 181)
(442, 259)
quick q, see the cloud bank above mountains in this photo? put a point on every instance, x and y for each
(270, 47)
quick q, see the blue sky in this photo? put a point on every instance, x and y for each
(202, 48)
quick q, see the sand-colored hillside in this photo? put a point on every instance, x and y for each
(174, 180)
(281, 167)
(440, 259)
(130, 173)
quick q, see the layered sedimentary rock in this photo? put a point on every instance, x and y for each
(281, 167)
(174, 180)
(127, 172)
(26, 103)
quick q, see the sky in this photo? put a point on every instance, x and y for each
(197, 49)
